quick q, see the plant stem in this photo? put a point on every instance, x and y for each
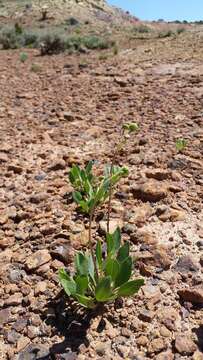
(117, 147)
(90, 240)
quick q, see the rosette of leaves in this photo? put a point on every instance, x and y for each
(90, 190)
(181, 144)
(111, 280)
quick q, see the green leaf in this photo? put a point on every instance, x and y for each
(125, 272)
(77, 196)
(84, 206)
(110, 244)
(91, 266)
(81, 264)
(130, 287)
(103, 290)
(123, 252)
(88, 168)
(67, 282)
(99, 254)
(81, 284)
(117, 238)
(85, 301)
(112, 268)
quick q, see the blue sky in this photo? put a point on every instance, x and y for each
(163, 9)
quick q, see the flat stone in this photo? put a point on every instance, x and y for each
(14, 300)
(4, 316)
(186, 264)
(184, 345)
(193, 295)
(37, 259)
(151, 190)
(40, 288)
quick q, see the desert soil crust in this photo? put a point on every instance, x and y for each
(68, 112)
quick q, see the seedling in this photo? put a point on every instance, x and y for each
(181, 144)
(98, 279)
(23, 57)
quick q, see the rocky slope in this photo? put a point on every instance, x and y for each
(60, 110)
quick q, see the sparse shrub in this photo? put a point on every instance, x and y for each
(18, 29)
(180, 30)
(95, 42)
(9, 39)
(165, 34)
(23, 57)
(52, 44)
(72, 21)
(181, 144)
(115, 50)
(103, 57)
(142, 29)
(30, 39)
(100, 278)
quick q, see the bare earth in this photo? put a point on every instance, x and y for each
(70, 112)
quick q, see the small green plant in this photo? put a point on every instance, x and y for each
(23, 57)
(165, 34)
(180, 30)
(142, 29)
(36, 68)
(100, 278)
(180, 144)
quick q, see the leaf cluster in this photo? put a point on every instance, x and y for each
(90, 190)
(181, 144)
(111, 281)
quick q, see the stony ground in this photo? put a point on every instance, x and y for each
(66, 110)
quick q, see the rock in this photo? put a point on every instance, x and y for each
(146, 315)
(166, 355)
(201, 260)
(34, 352)
(169, 317)
(197, 355)
(15, 275)
(142, 340)
(40, 287)
(22, 342)
(81, 238)
(159, 256)
(33, 331)
(158, 174)
(3, 218)
(141, 214)
(37, 259)
(15, 168)
(14, 300)
(57, 165)
(165, 332)
(68, 116)
(39, 197)
(12, 336)
(173, 215)
(184, 345)
(112, 225)
(193, 295)
(20, 324)
(64, 253)
(156, 346)
(186, 264)
(4, 316)
(100, 348)
(7, 242)
(151, 190)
